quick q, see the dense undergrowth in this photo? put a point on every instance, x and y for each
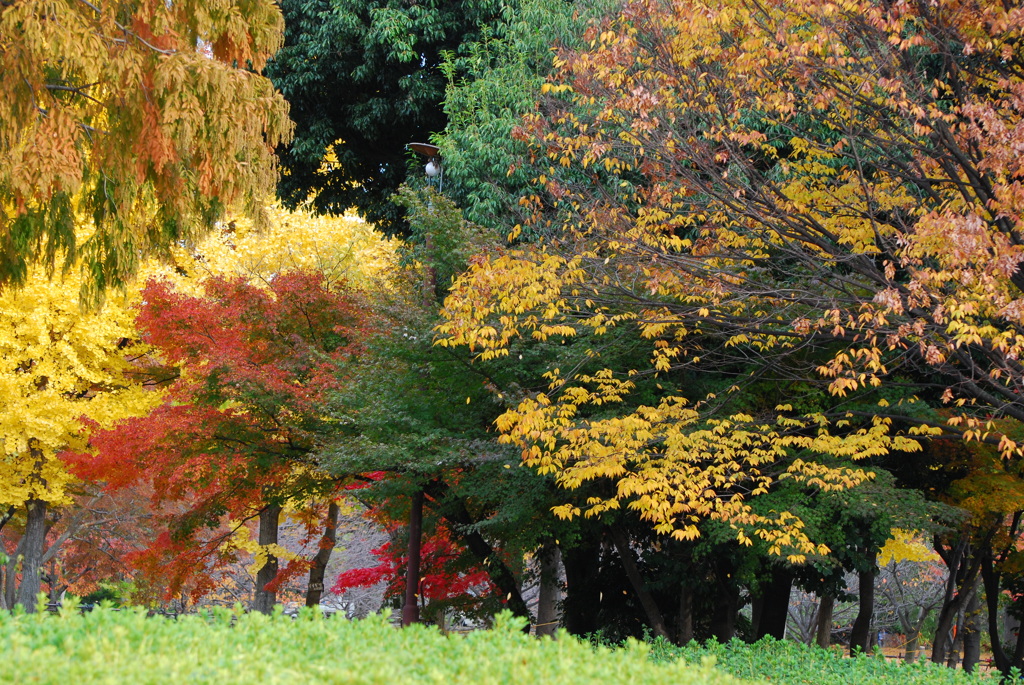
(107, 646)
(793, 663)
(104, 646)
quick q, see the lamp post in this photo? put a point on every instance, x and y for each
(434, 169)
(410, 607)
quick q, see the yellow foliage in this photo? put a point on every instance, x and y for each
(342, 248)
(905, 545)
(148, 118)
(736, 248)
(60, 366)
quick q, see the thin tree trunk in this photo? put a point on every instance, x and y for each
(11, 586)
(654, 617)
(31, 565)
(265, 599)
(860, 633)
(992, 581)
(972, 631)
(912, 647)
(7, 516)
(953, 653)
(1018, 652)
(547, 601)
(685, 615)
(826, 606)
(411, 606)
(756, 606)
(315, 587)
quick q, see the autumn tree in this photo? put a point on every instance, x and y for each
(147, 118)
(63, 371)
(421, 413)
(806, 193)
(254, 337)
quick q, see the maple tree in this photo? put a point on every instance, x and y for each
(146, 117)
(817, 194)
(254, 336)
(234, 436)
(447, 581)
(63, 371)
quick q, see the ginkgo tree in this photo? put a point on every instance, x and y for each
(820, 194)
(150, 118)
(63, 371)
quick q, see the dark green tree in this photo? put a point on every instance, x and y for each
(363, 80)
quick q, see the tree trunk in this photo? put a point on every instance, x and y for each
(411, 604)
(31, 565)
(547, 602)
(582, 592)
(953, 653)
(912, 647)
(775, 605)
(860, 634)
(826, 606)
(11, 575)
(972, 631)
(549, 595)
(992, 581)
(651, 610)
(685, 615)
(315, 587)
(1018, 652)
(943, 631)
(8, 515)
(265, 599)
(723, 620)
(756, 605)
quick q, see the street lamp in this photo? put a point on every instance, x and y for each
(434, 168)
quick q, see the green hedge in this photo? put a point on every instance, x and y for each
(793, 663)
(105, 646)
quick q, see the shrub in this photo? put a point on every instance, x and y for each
(232, 647)
(793, 663)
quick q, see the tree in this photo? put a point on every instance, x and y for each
(255, 337)
(363, 80)
(421, 413)
(145, 118)
(912, 584)
(492, 83)
(447, 582)
(236, 432)
(817, 193)
(63, 371)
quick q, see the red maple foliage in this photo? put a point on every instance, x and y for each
(446, 576)
(254, 367)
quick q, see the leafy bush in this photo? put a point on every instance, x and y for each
(226, 647)
(793, 663)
